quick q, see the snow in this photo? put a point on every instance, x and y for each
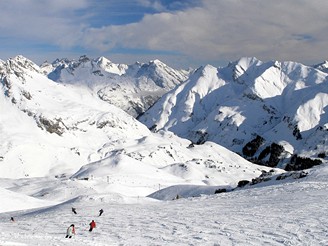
(14, 201)
(63, 146)
(67, 130)
(232, 105)
(283, 213)
(132, 88)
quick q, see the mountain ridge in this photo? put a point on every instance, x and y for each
(62, 146)
(134, 88)
(247, 104)
(232, 105)
(66, 131)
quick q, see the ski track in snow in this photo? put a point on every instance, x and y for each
(285, 214)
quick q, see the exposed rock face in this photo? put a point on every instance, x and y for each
(51, 126)
(251, 147)
(300, 163)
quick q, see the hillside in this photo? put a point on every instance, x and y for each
(269, 112)
(63, 146)
(288, 213)
(133, 88)
(51, 129)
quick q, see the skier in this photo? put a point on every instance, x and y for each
(74, 210)
(92, 225)
(12, 219)
(70, 231)
(101, 212)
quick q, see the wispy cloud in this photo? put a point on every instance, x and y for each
(154, 4)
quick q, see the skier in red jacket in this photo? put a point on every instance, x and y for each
(92, 225)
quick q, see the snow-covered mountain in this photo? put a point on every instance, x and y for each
(50, 129)
(323, 66)
(133, 88)
(62, 146)
(47, 126)
(274, 113)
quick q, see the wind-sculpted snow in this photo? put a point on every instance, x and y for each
(283, 102)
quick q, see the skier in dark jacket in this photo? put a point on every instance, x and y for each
(101, 212)
(74, 210)
(92, 225)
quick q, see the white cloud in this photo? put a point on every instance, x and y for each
(229, 29)
(53, 21)
(209, 32)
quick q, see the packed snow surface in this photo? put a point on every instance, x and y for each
(278, 213)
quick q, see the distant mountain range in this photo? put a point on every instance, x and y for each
(272, 113)
(133, 88)
(79, 118)
(65, 129)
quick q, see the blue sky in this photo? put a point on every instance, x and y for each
(181, 33)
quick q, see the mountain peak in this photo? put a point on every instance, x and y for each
(110, 67)
(21, 58)
(102, 60)
(20, 62)
(323, 66)
(246, 62)
(84, 58)
(156, 61)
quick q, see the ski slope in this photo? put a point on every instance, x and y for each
(285, 213)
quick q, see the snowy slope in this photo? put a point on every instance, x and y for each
(166, 160)
(61, 146)
(281, 102)
(286, 213)
(59, 130)
(12, 201)
(133, 88)
(48, 127)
